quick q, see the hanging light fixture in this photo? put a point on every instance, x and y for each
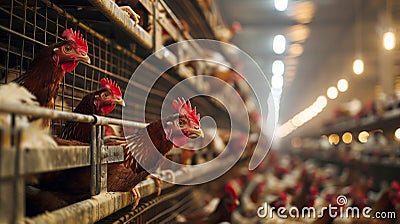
(281, 5)
(389, 38)
(278, 68)
(343, 85)
(347, 138)
(358, 64)
(397, 134)
(363, 136)
(332, 92)
(279, 44)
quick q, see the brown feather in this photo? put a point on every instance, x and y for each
(76, 182)
(140, 148)
(77, 130)
(43, 78)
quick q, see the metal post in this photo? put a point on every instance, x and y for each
(16, 182)
(98, 159)
(6, 196)
(19, 182)
(155, 26)
(103, 164)
(93, 156)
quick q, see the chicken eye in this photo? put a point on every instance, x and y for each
(67, 49)
(180, 123)
(105, 95)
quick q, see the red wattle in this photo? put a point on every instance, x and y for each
(107, 109)
(69, 66)
(179, 141)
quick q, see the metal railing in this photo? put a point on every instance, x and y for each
(27, 162)
(26, 26)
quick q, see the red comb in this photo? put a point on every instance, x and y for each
(112, 86)
(394, 194)
(77, 37)
(396, 185)
(236, 26)
(283, 195)
(313, 190)
(229, 188)
(184, 108)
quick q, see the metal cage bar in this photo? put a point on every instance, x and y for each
(47, 21)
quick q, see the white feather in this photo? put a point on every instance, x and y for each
(33, 135)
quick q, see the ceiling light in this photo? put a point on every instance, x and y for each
(295, 50)
(389, 40)
(279, 44)
(276, 91)
(303, 116)
(297, 142)
(358, 66)
(314, 107)
(363, 136)
(277, 82)
(298, 33)
(281, 5)
(343, 85)
(278, 68)
(321, 101)
(303, 11)
(347, 137)
(333, 139)
(397, 134)
(332, 92)
(297, 122)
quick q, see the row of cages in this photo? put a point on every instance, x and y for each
(117, 45)
(371, 152)
(28, 26)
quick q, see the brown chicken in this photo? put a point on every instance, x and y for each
(73, 185)
(306, 191)
(226, 34)
(222, 213)
(100, 102)
(359, 191)
(389, 200)
(48, 67)
(174, 130)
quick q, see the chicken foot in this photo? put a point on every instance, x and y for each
(132, 14)
(136, 197)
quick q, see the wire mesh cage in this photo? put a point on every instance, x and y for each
(28, 26)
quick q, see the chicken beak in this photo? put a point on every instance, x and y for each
(83, 58)
(237, 203)
(195, 133)
(120, 102)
